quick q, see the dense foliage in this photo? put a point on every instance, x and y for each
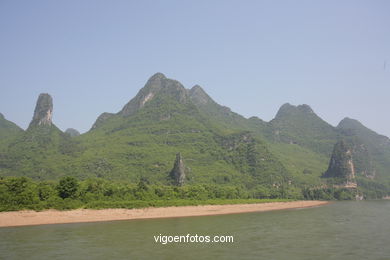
(18, 193)
(68, 193)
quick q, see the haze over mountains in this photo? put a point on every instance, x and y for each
(217, 145)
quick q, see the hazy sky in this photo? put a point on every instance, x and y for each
(252, 56)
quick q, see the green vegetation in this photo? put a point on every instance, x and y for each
(8, 129)
(340, 162)
(329, 194)
(376, 146)
(300, 125)
(8, 132)
(40, 152)
(144, 144)
(373, 189)
(225, 155)
(18, 193)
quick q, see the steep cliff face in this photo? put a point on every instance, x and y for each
(178, 172)
(350, 159)
(43, 111)
(375, 145)
(42, 151)
(341, 164)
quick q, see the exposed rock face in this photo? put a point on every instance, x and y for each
(72, 132)
(178, 171)
(43, 111)
(341, 163)
(158, 83)
(159, 89)
(348, 160)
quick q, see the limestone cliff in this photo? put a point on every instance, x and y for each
(350, 158)
(178, 172)
(341, 164)
(43, 111)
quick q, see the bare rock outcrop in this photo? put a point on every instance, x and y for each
(178, 172)
(43, 111)
(158, 84)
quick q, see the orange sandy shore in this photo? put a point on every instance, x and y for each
(25, 218)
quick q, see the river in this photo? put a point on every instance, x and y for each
(341, 230)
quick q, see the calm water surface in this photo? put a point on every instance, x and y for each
(342, 230)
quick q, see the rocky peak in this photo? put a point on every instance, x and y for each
(286, 106)
(349, 123)
(43, 111)
(305, 109)
(72, 132)
(178, 172)
(199, 96)
(353, 127)
(285, 109)
(288, 109)
(341, 164)
(157, 84)
(157, 76)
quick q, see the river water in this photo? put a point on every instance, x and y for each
(341, 230)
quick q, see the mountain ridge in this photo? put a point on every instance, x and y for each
(219, 146)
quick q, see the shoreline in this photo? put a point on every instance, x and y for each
(31, 218)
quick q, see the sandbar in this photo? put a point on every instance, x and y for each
(29, 217)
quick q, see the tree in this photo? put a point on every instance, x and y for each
(68, 187)
(45, 191)
(20, 192)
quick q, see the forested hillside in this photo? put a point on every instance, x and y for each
(296, 154)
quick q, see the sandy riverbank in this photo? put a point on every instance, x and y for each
(24, 218)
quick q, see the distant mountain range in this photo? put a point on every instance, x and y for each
(216, 145)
